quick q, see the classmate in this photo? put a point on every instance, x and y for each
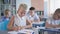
(58, 12)
(32, 16)
(5, 20)
(7, 14)
(19, 21)
(55, 21)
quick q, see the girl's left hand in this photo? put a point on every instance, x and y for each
(19, 27)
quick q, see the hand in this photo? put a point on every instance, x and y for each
(19, 27)
(31, 21)
(15, 28)
(23, 27)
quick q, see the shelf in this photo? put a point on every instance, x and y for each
(8, 4)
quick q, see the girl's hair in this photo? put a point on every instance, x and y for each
(6, 11)
(56, 13)
(57, 10)
(22, 5)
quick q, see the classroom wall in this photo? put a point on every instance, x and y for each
(18, 2)
(54, 4)
(38, 4)
(45, 9)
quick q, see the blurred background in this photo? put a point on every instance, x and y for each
(44, 8)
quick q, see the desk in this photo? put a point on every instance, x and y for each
(6, 32)
(23, 31)
(55, 31)
(3, 32)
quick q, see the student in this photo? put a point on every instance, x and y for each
(7, 14)
(19, 21)
(5, 20)
(55, 21)
(58, 12)
(32, 16)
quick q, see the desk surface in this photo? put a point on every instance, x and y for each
(3, 25)
(51, 30)
(3, 32)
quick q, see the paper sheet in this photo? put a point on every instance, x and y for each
(12, 32)
(25, 31)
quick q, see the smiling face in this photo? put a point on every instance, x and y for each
(7, 13)
(23, 13)
(22, 10)
(58, 12)
(56, 17)
(31, 12)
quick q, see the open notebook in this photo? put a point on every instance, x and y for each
(24, 31)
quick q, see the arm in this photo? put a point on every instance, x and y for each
(29, 24)
(10, 25)
(47, 25)
(57, 26)
(36, 18)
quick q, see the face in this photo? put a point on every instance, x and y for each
(31, 12)
(58, 14)
(9, 14)
(56, 17)
(21, 12)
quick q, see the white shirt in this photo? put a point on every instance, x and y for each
(35, 17)
(54, 22)
(19, 21)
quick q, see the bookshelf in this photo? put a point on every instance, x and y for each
(8, 4)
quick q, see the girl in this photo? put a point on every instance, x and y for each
(19, 21)
(55, 21)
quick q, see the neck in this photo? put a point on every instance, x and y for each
(19, 15)
(32, 15)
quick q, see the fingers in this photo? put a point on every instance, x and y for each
(18, 28)
(15, 28)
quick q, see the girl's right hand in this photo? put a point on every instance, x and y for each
(15, 28)
(19, 27)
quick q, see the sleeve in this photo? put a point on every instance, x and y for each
(27, 17)
(49, 21)
(36, 16)
(57, 22)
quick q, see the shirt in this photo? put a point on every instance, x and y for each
(54, 22)
(34, 17)
(19, 21)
